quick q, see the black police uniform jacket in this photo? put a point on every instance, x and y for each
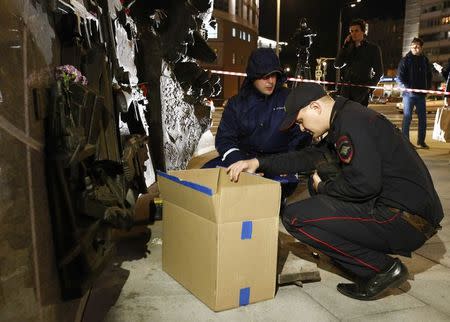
(250, 125)
(377, 163)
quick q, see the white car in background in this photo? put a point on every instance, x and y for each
(433, 101)
(432, 104)
(386, 91)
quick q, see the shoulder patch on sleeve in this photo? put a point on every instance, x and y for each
(345, 149)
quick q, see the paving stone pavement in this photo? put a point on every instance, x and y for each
(135, 288)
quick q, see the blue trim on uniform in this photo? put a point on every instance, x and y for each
(289, 178)
(247, 229)
(244, 296)
(195, 186)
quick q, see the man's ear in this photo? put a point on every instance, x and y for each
(315, 105)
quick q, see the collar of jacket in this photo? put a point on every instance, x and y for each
(409, 54)
(250, 90)
(363, 43)
(338, 106)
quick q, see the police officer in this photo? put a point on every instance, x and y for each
(381, 202)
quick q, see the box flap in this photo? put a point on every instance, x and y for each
(196, 186)
(252, 197)
(193, 196)
(210, 194)
(204, 177)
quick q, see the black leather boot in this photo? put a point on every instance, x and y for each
(391, 277)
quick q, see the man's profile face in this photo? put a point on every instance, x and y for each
(416, 48)
(310, 120)
(356, 33)
(266, 85)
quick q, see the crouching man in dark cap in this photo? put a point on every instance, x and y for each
(381, 202)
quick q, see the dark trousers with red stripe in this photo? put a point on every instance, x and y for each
(357, 236)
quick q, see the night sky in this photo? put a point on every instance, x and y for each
(322, 16)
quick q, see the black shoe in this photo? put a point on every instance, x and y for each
(392, 277)
(423, 145)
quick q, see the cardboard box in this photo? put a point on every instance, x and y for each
(220, 237)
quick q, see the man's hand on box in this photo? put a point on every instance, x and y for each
(242, 166)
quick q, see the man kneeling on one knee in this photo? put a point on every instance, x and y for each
(381, 202)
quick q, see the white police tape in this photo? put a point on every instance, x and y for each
(396, 88)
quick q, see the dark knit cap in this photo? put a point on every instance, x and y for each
(300, 97)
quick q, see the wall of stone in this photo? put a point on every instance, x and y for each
(29, 52)
(29, 287)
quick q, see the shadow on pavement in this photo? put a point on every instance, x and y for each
(130, 246)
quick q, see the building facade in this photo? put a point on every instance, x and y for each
(429, 20)
(388, 34)
(233, 39)
(412, 22)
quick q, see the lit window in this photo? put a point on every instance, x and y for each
(233, 32)
(248, 38)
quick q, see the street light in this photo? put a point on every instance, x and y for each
(278, 43)
(352, 5)
(277, 47)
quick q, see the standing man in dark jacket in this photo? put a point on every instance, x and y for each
(382, 201)
(250, 121)
(414, 71)
(360, 63)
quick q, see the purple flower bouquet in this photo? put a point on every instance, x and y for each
(68, 74)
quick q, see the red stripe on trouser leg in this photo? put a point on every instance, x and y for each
(338, 250)
(354, 219)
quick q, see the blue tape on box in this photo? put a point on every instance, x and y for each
(247, 230)
(244, 296)
(195, 186)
